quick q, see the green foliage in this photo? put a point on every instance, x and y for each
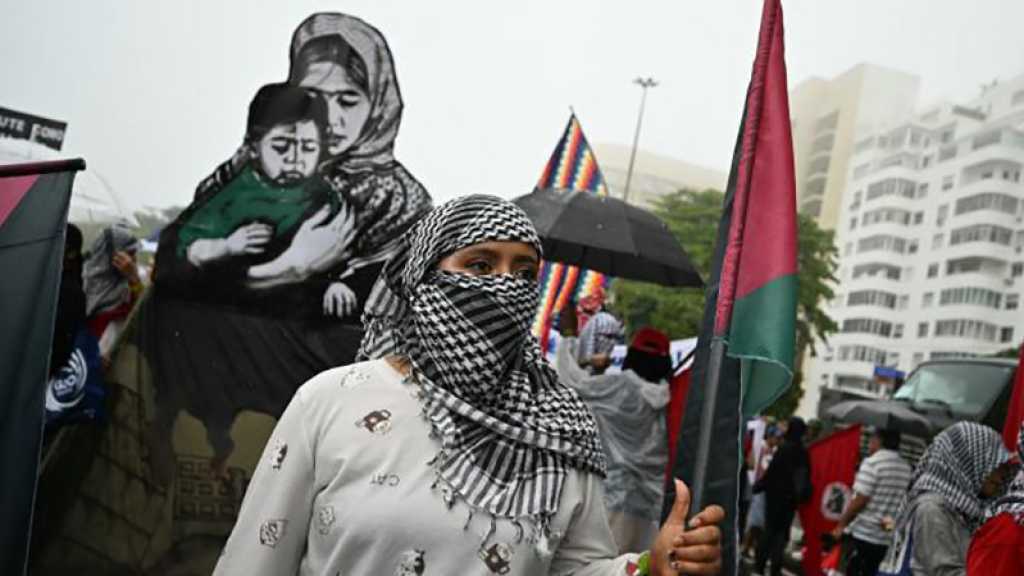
(693, 217)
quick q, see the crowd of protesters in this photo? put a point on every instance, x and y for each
(959, 510)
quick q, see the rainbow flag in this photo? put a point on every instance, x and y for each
(572, 166)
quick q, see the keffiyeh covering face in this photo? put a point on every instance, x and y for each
(1012, 502)
(955, 467)
(509, 429)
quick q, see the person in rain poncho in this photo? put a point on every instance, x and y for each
(112, 284)
(629, 407)
(963, 467)
(454, 449)
(997, 548)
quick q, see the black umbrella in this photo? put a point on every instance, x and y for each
(884, 414)
(607, 235)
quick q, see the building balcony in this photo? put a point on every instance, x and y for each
(977, 185)
(984, 216)
(997, 256)
(998, 282)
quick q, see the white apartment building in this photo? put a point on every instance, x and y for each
(931, 239)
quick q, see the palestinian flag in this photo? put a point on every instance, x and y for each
(34, 202)
(572, 167)
(744, 357)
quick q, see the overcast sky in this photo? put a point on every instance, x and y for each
(155, 93)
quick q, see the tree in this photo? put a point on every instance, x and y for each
(693, 217)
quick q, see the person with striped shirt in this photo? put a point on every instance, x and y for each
(879, 487)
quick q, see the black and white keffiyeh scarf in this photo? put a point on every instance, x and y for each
(954, 466)
(509, 429)
(1012, 502)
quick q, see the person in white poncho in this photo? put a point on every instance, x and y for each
(629, 407)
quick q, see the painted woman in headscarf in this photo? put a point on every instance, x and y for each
(349, 65)
(960, 472)
(997, 548)
(629, 407)
(453, 448)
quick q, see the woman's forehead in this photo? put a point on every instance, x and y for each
(503, 248)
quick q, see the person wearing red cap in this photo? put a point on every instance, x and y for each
(629, 407)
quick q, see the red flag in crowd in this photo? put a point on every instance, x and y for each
(833, 466)
(1015, 411)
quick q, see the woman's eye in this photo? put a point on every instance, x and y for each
(527, 273)
(481, 267)
(310, 147)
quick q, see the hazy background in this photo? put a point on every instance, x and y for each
(155, 94)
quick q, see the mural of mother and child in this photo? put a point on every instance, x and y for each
(299, 221)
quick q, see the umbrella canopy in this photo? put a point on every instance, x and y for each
(888, 415)
(607, 235)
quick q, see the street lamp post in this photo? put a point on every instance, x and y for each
(644, 83)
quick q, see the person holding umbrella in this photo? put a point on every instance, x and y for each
(454, 448)
(879, 487)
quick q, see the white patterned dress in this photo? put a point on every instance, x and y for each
(344, 487)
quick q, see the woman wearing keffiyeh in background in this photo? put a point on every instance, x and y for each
(964, 466)
(454, 449)
(997, 548)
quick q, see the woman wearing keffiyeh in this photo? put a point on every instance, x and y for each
(467, 455)
(963, 467)
(997, 548)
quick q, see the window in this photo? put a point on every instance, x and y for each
(971, 296)
(1006, 334)
(922, 190)
(871, 298)
(964, 328)
(926, 299)
(933, 269)
(897, 331)
(963, 266)
(981, 233)
(882, 242)
(918, 217)
(918, 358)
(922, 330)
(891, 215)
(936, 244)
(940, 216)
(867, 326)
(1017, 269)
(912, 247)
(877, 269)
(862, 354)
(903, 302)
(853, 223)
(892, 186)
(987, 201)
(947, 182)
(1012, 301)
(926, 161)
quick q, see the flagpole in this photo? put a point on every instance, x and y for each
(712, 378)
(644, 83)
